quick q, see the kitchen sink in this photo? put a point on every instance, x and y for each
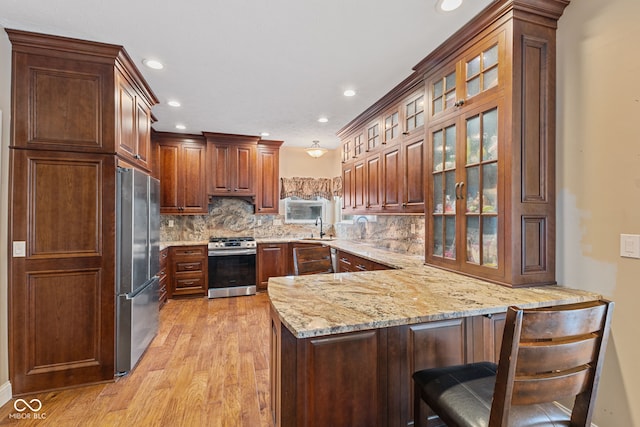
(326, 239)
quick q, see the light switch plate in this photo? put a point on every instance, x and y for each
(630, 245)
(277, 222)
(19, 249)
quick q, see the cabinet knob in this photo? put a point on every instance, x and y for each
(137, 157)
(404, 205)
(459, 103)
(405, 133)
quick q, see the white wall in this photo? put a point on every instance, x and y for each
(598, 180)
(295, 162)
(5, 107)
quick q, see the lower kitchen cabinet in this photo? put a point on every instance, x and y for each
(164, 277)
(348, 262)
(188, 271)
(272, 261)
(364, 377)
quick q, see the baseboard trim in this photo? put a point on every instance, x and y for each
(5, 393)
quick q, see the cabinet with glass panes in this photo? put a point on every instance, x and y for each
(490, 202)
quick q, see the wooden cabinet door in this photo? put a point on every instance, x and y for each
(373, 182)
(434, 345)
(344, 368)
(233, 169)
(133, 124)
(359, 186)
(182, 174)
(272, 261)
(392, 179)
(193, 179)
(219, 165)
(413, 157)
(347, 187)
(268, 181)
(243, 170)
(62, 291)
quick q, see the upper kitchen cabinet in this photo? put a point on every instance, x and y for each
(491, 145)
(231, 162)
(383, 155)
(79, 96)
(268, 183)
(181, 168)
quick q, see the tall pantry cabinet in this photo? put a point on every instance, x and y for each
(79, 110)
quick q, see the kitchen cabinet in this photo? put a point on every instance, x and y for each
(491, 152)
(70, 125)
(348, 262)
(163, 277)
(381, 360)
(182, 171)
(231, 162)
(272, 261)
(188, 275)
(133, 123)
(268, 177)
(385, 174)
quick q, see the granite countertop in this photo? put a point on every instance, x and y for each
(326, 304)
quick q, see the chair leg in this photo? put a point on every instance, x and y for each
(417, 403)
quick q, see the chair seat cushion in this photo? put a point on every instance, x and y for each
(461, 396)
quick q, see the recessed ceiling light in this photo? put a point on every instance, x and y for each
(153, 63)
(323, 120)
(448, 5)
(264, 133)
(349, 92)
(173, 103)
(181, 127)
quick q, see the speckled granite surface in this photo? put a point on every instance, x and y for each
(327, 304)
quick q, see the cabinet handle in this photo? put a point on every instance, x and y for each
(405, 133)
(137, 157)
(404, 205)
(459, 103)
(459, 193)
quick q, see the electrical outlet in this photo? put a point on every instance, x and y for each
(170, 223)
(259, 222)
(413, 228)
(277, 222)
(630, 245)
(19, 249)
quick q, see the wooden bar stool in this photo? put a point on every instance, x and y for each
(312, 260)
(547, 354)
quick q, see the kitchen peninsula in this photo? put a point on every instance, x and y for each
(344, 345)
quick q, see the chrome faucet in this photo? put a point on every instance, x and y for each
(322, 233)
(362, 225)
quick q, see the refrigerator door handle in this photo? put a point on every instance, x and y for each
(141, 289)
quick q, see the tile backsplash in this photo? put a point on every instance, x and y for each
(235, 217)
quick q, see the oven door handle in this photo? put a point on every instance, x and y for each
(228, 252)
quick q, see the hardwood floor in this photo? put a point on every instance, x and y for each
(208, 366)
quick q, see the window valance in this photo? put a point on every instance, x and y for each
(310, 188)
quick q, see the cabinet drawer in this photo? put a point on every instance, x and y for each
(190, 266)
(190, 251)
(189, 282)
(164, 258)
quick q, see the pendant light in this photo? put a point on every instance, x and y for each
(315, 150)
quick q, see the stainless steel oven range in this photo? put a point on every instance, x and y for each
(232, 266)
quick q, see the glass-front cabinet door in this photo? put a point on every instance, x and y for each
(465, 221)
(479, 189)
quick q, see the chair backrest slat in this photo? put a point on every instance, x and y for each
(312, 260)
(550, 354)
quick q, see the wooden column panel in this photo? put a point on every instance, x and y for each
(393, 183)
(62, 291)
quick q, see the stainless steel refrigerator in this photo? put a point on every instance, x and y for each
(137, 265)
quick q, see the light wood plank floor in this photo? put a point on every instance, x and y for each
(208, 366)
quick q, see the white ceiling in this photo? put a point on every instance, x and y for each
(248, 66)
